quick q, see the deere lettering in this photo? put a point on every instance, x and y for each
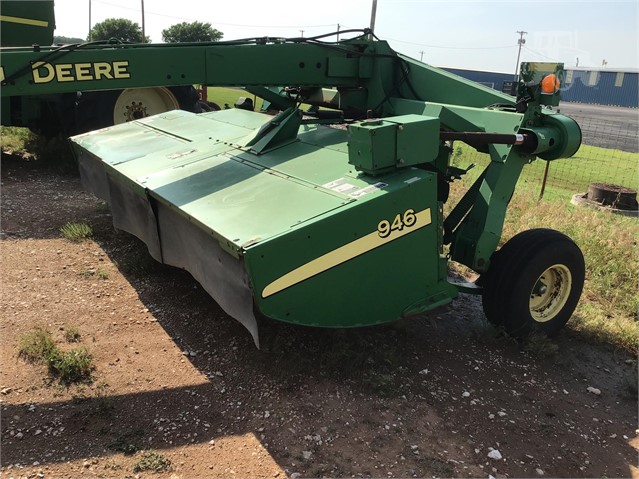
(44, 72)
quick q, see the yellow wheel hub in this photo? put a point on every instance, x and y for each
(550, 293)
(137, 103)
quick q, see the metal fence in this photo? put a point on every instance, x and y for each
(609, 154)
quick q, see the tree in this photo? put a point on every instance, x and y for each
(119, 28)
(59, 39)
(191, 32)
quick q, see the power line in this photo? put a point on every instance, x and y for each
(445, 47)
(541, 55)
(214, 23)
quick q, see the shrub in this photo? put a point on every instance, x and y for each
(76, 232)
(152, 461)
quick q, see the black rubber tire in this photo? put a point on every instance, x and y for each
(94, 109)
(207, 106)
(187, 97)
(514, 271)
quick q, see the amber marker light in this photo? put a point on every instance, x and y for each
(550, 84)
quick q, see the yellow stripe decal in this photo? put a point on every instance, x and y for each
(343, 254)
(24, 21)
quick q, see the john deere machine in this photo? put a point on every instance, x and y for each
(330, 215)
(28, 26)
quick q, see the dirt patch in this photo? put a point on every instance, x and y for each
(427, 397)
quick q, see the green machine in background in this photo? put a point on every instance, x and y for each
(333, 216)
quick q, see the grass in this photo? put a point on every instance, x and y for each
(76, 232)
(38, 346)
(71, 366)
(51, 152)
(228, 96)
(607, 311)
(609, 303)
(100, 273)
(152, 461)
(103, 401)
(568, 176)
(128, 443)
(14, 139)
(72, 334)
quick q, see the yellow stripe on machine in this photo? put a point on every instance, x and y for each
(24, 21)
(342, 254)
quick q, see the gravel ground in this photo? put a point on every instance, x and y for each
(442, 395)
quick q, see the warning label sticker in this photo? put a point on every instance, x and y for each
(341, 185)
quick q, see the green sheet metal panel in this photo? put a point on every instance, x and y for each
(175, 129)
(26, 23)
(338, 271)
(319, 241)
(240, 202)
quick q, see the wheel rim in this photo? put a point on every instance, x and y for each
(137, 103)
(550, 293)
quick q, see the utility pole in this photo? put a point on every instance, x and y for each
(577, 62)
(338, 25)
(143, 35)
(373, 15)
(421, 56)
(604, 63)
(89, 20)
(302, 32)
(521, 42)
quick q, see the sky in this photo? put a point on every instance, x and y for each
(470, 34)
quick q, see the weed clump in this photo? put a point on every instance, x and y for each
(72, 335)
(70, 366)
(36, 346)
(76, 232)
(104, 402)
(539, 345)
(152, 461)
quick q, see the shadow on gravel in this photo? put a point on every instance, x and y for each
(37, 201)
(332, 401)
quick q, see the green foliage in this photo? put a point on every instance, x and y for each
(228, 96)
(152, 461)
(609, 304)
(66, 40)
(103, 402)
(36, 346)
(607, 311)
(119, 28)
(128, 443)
(69, 366)
(76, 232)
(191, 32)
(90, 273)
(13, 139)
(50, 151)
(53, 152)
(566, 176)
(72, 334)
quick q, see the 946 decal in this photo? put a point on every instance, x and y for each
(407, 219)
